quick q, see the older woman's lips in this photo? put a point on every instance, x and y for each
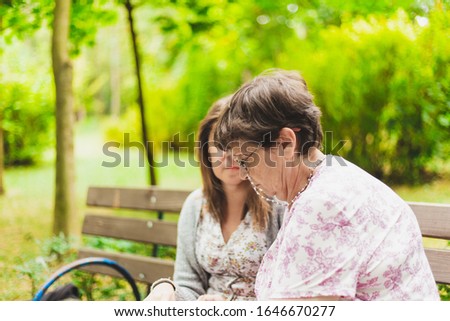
(233, 167)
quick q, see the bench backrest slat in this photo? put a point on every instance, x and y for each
(141, 268)
(139, 230)
(440, 264)
(434, 219)
(151, 198)
(157, 232)
(434, 222)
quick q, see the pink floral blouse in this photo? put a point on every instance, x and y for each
(232, 265)
(347, 235)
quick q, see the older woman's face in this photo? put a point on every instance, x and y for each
(261, 167)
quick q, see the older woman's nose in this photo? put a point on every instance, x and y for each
(243, 174)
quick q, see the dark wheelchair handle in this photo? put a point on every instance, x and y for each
(88, 261)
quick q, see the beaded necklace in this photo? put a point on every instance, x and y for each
(274, 200)
(303, 189)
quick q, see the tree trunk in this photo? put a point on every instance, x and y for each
(2, 187)
(115, 74)
(145, 137)
(65, 213)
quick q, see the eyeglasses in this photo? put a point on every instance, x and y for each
(242, 163)
(259, 191)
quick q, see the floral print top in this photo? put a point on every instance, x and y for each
(347, 235)
(232, 265)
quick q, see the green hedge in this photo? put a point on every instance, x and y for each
(27, 121)
(383, 86)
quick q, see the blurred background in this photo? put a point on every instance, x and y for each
(379, 70)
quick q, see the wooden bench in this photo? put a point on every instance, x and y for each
(152, 230)
(434, 221)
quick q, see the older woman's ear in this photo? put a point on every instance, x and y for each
(288, 141)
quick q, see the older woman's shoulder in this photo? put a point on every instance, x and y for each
(342, 174)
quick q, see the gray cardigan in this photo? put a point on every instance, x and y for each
(190, 278)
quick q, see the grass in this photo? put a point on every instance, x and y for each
(26, 211)
(436, 192)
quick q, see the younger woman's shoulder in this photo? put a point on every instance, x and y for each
(191, 208)
(194, 198)
(196, 194)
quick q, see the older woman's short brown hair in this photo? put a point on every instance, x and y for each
(271, 101)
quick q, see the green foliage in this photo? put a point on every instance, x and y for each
(60, 250)
(35, 270)
(58, 247)
(183, 98)
(444, 292)
(99, 287)
(85, 282)
(370, 66)
(54, 251)
(109, 244)
(104, 243)
(383, 91)
(27, 121)
(87, 17)
(96, 287)
(129, 123)
(380, 74)
(21, 18)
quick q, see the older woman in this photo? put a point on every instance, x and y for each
(345, 234)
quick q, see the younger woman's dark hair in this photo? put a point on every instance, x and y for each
(212, 186)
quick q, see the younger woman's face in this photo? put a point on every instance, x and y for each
(223, 165)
